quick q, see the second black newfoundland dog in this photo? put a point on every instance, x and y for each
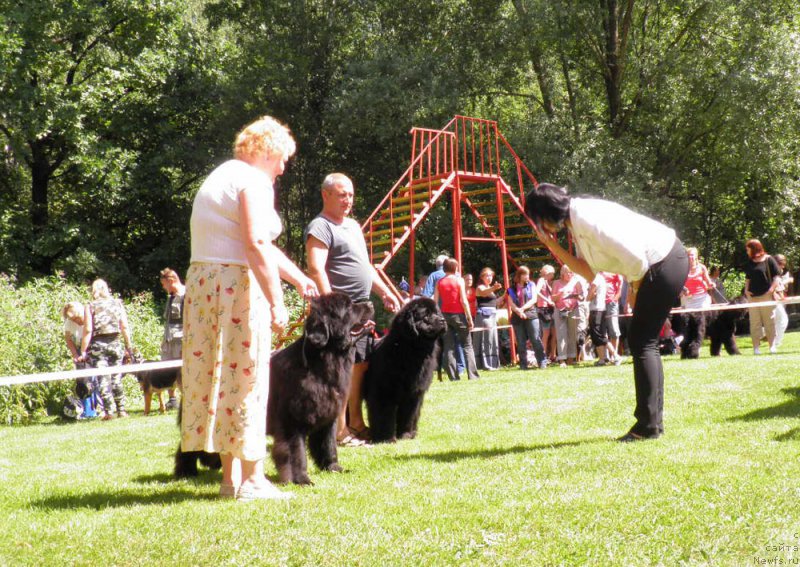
(401, 370)
(308, 384)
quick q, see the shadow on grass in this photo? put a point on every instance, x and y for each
(101, 500)
(451, 456)
(789, 408)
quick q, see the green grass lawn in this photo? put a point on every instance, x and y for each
(518, 468)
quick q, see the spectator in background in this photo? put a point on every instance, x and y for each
(472, 298)
(597, 318)
(451, 295)
(487, 350)
(85, 388)
(525, 319)
(781, 317)
(172, 343)
(695, 296)
(721, 296)
(420, 287)
(545, 308)
(105, 323)
(613, 290)
(762, 277)
(567, 294)
(434, 277)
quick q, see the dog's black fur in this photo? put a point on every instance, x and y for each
(186, 462)
(309, 383)
(694, 332)
(721, 328)
(401, 371)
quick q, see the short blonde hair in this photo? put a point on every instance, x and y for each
(266, 136)
(547, 269)
(72, 309)
(100, 289)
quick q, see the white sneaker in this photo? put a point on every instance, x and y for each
(756, 351)
(248, 492)
(773, 350)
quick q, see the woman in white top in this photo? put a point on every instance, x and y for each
(611, 238)
(233, 300)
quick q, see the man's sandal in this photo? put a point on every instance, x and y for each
(350, 441)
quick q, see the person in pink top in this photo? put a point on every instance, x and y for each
(613, 291)
(451, 296)
(568, 292)
(545, 308)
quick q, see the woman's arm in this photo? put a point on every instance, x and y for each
(261, 254)
(291, 273)
(76, 354)
(578, 265)
(462, 292)
(88, 329)
(124, 329)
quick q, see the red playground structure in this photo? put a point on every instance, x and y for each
(469, 160)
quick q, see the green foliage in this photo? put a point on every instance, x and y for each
(33, 342)
(512, 469)
(113, 113)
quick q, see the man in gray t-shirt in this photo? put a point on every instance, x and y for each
(338, 261)
(347, 266)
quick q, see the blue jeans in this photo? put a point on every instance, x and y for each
(525, 330)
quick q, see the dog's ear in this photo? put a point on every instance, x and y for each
(411, 323)
(317, 332)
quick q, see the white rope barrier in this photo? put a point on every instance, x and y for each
(731, 306)
(131, 368)
(87, 372)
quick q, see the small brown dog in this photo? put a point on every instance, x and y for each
(155, 382)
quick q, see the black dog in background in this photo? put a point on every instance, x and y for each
(721, 327)
(309, 383)
(401, 371)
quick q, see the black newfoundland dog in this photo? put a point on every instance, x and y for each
(401, 370)
(309, 382)
(721, 327)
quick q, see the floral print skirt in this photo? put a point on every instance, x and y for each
(226, 351)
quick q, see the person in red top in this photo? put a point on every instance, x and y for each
(451, 296)
(695, 296)
(613, 290)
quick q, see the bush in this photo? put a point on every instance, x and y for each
(33, 342)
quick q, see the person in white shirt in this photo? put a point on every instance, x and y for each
(609, 237)
(232, 303)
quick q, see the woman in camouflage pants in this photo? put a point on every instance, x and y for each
(105, 327)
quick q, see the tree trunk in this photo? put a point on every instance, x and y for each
(41, 170)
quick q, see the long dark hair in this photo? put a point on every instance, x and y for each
(547, 202)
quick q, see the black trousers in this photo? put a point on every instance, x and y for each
(658, 292)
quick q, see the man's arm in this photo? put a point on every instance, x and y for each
(378, 286)
(317, 256)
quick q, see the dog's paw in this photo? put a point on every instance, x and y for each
(334, 467)
(303, 480)
(409, 435)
